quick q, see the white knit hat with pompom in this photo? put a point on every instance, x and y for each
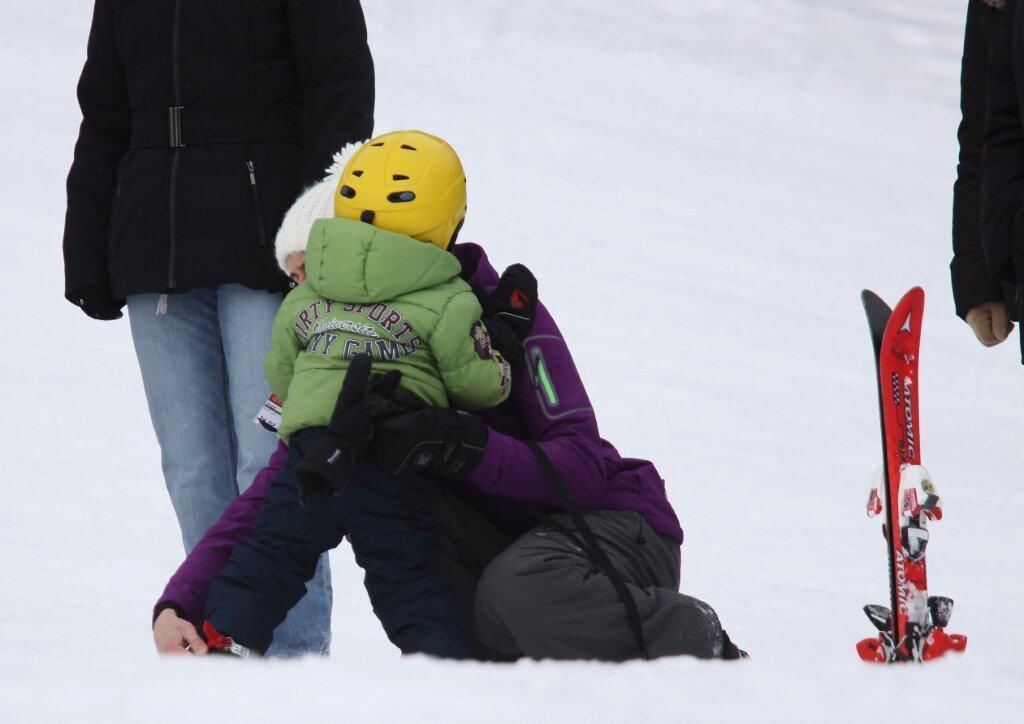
(316, 202)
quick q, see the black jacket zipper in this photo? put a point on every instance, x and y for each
(112, 223)
(261, 228)
(176, 151)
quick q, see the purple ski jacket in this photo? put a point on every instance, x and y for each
(548, 404)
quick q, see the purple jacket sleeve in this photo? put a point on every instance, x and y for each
(551, 403)
(187, 590)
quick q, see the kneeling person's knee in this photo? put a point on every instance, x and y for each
(512, 592)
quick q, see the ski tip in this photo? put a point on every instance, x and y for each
(915, 295)
(874, 305)
(866, 294)
(910, 305)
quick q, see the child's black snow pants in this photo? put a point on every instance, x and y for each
(392, 525)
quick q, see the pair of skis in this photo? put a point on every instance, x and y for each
(912, 627)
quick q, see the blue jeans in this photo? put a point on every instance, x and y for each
(202, 369)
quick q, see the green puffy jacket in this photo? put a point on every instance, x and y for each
(370, 291)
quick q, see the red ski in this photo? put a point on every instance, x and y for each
(912, 628)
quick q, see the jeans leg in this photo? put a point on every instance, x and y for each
(182, 364)
(246, 318)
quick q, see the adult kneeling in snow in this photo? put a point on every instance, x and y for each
(554, 545)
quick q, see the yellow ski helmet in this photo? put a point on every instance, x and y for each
(408, 182)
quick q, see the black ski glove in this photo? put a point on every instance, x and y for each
(509, 311)
(327, 467)
(438, 442)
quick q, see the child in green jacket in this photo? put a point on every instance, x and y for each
(377, 284)
(388, 296)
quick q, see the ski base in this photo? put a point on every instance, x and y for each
(921, 644)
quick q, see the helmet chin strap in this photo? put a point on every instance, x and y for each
(455, 234)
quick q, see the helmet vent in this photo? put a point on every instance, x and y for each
(408, 147)
(357, 174)
(347, 191)
(399, 177)
(399, 197)
(381, 143)
(367, 217)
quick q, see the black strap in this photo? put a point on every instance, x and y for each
(177, 127)
(592, 545)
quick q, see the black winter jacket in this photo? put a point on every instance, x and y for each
(201, 123)
(972, 284)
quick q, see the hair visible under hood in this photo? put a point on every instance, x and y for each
(316, 202)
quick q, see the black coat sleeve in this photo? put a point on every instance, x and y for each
(1002, 176)
(102, 141)
(971, 282)
(336, 71)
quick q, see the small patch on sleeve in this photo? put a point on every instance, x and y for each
(542, 378)
(505, 370)
(481, 340)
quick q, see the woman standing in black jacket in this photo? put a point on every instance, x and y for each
(202, 122)
(983, 302)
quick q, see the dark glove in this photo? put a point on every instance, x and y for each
(509, 310)
(328, 465)
(96, 302)
(438, 442)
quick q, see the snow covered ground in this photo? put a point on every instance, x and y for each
(703, 188)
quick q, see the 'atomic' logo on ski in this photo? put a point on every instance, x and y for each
(901, 583)
(908, 418)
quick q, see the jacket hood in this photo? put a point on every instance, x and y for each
(350, 261)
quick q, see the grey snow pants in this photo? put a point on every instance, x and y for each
(543, 597)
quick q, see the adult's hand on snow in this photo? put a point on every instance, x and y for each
(174, 635)
(990, 323)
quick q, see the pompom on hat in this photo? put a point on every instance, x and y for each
(316, 202)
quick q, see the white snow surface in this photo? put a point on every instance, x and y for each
(702, 188)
